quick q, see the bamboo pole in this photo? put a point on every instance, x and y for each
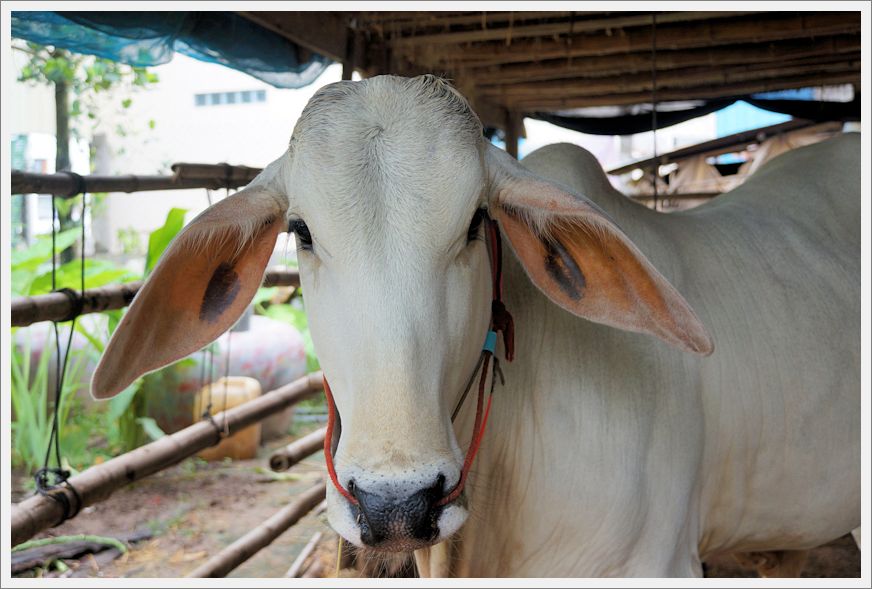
(286, 457)
(261, 536)
(65, 185)
(95, 484)
(297, 567)
(57, 306)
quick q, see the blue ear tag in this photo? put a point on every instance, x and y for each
(490, 342)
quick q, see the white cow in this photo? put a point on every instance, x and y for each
(608, 451)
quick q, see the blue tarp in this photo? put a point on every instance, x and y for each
(150, 38)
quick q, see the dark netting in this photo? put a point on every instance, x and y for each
(637, 118)
(150, 38)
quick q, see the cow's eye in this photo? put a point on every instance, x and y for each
(475, 225)
(304, 238)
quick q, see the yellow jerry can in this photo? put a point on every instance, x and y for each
(226, 393)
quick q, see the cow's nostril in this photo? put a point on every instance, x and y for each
(387, 520)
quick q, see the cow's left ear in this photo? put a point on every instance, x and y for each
(199, 288)
(579, 257)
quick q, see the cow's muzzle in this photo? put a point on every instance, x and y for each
(392, 524)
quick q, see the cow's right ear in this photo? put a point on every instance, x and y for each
(582, 260)
(199, 288)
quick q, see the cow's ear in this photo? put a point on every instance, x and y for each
(577, 256)
(199, 288)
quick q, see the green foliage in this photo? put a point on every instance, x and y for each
(87, 77)
(29, 263)
(105, 429)
(31, 268)
(32, 402)
(160, 239)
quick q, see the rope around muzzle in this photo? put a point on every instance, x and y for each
(501, 321)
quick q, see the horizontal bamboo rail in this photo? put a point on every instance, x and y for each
(261, 536)
(67, 185)
(58, 306)
(286, 457)
(95, 484)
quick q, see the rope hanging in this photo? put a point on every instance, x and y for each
(656, 169)
(52, 480)
(222, 430)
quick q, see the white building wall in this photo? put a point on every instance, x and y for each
(251, 134)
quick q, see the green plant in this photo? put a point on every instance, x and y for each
(32, 403)
(32, 275)
(79, 81)
(106, 429)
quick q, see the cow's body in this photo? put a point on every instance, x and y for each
(608, 452)
(611, 454)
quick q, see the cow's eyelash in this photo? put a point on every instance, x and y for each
(474, 231)
(304, 238)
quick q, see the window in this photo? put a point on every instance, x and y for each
(237, 97)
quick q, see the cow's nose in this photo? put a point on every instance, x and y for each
(390, 523)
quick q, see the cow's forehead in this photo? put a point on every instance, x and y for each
(389, 151)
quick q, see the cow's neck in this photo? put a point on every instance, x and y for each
(563, 386)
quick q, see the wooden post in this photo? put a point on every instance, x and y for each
(350, 54)
(95, 484)
(513, 130)
(261, 536)
(286, 457)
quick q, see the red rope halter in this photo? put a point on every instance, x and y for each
(501, 320)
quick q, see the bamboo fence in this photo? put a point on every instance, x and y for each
(95, 484)
(58, 306)
(68, 185)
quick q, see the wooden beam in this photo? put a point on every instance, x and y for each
(748, 29)
(687, 77)
(566, 27)
(324, 33)
(666, 60)
(420, 20)
(695, 93)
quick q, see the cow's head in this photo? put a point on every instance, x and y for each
(386, 183)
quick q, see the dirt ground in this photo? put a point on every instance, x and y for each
(195, 509)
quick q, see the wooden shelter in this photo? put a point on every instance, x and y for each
(510, 64)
